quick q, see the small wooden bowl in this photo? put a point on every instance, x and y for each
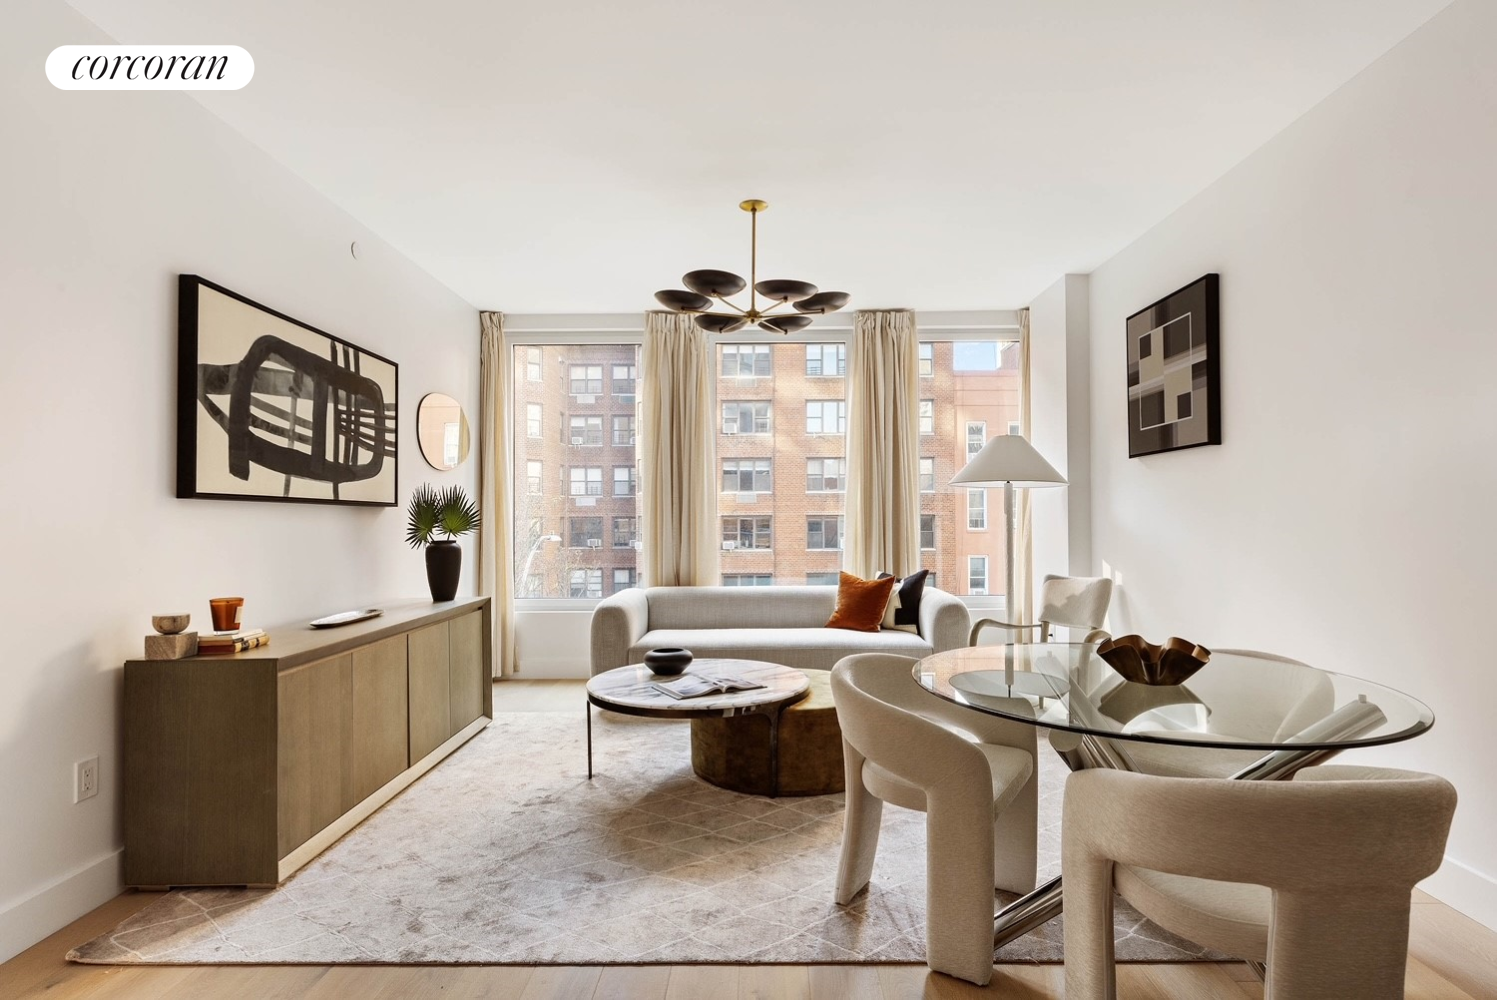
(1171, 662)
(170, 624)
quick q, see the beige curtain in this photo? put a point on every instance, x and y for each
(1021, 603)
(677, 438)
(883, 453)
(495, 558)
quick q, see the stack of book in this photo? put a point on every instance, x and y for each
(216, 643)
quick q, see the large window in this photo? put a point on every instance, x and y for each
(826, 360)
(587, 431)
(747, 475)
(586, 380)
(977, 436)
(746, 418)
(826, 475)
(746, 361)
(826, 416)
(574, 505)
(823, 533)
(747, 533)
(585, 480)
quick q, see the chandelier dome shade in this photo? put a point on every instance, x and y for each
(785, 324)
(720, 322)
(822, 303)
(785, 289)
(714, 283)
(681, 300)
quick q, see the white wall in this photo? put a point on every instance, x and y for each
(1347, 518)
(107, 197)
(1060, 425)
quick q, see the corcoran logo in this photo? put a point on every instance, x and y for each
(149, 67)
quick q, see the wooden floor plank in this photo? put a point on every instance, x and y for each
(562, 982)
(689, 982)
(834, 982)
(633, 982)
(774, 982)
(1456, 947)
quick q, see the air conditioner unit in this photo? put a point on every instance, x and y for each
(577, 440)
(595, 543)
(729, 546)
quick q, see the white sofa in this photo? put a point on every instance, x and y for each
(785, 625)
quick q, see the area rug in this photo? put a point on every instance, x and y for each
(507, 853)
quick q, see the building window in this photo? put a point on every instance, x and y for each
(585, 532)
(826, 416)
(927, 360)
(977, 436)
(533, 420)
(927, 475)
(623, 480)
(977, 510)
(586, 380)
(534, 472)
(927, 531)
(746, 361)
(1013, 428)
(927, 416)
(977, 575)
(826, 360)
(822, 579)
(826, 475)
(587, 431)
(533, 364)
(585, 480)
(747, 475)
(623, 383)
(623, 432)
(747, 580)
(625, 532)
(745, 418)
(823, 533)
(623, 578)
(747, 533)
(586, 583)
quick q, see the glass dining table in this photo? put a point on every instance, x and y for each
(1244, 715)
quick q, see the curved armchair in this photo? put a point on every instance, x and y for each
(973, 775)
(1311, 877)
(1067, 601)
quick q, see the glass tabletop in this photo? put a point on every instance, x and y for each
(1241, 700)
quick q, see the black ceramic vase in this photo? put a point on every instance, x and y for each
(668, 661)
(444, 566)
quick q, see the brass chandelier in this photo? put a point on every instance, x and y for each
(800, 300)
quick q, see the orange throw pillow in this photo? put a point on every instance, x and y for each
(861, 603)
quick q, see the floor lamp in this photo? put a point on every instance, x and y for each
(1009, 461)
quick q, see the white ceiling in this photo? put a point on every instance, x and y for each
(568, 156)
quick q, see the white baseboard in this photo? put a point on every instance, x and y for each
(1463, 888)
(24, 922)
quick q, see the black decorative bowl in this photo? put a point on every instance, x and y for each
(668, 661)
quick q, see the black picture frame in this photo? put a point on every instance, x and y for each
(249, 376)
(1173, 355)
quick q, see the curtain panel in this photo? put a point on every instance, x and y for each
(883, 445)
(1021, 601)
(495, 539)
(677, 450)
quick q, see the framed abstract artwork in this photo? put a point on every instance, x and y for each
(1174, 371)
(269, 408)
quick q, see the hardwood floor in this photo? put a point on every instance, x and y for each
(1451, 957)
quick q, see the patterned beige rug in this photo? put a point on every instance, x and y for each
(506, 853)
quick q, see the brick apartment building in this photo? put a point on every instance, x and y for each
(782, 467)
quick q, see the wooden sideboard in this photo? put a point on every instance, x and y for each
(240, 769)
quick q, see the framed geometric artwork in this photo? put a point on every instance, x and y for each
(269, 408)
(1174, 371)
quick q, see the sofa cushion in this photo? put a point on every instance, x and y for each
(743, 607)
(860, 602)
(801, 648)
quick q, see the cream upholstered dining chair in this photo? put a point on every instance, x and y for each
(1078, 602)
(1311, 876)
(973, 775)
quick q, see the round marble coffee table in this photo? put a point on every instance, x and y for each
(629, 691)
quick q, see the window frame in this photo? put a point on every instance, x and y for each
(839, 530)
(839, 416)
(972, 563)
(978, 510)
(587, 380)
(840, 477)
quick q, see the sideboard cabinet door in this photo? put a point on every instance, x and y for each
(377, 744)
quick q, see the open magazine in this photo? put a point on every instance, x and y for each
(700, 685)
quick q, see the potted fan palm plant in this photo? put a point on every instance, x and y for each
(448, 512)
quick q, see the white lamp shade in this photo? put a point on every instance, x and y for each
(1008, 458)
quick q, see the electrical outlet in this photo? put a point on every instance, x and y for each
(85, 779)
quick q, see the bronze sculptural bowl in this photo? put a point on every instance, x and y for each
(1171, 662)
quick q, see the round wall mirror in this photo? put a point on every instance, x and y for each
(443, 431)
